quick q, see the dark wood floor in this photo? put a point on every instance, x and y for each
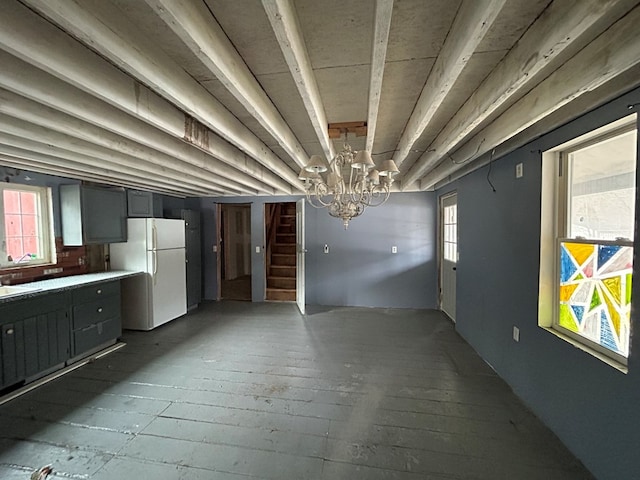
(242, 391)
(236, 289)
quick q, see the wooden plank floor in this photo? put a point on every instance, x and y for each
(242, 391)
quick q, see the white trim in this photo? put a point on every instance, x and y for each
(45, 226)
(553, 227)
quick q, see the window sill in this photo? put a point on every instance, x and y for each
(600, 356)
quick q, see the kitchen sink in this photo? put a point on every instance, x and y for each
(10, 290)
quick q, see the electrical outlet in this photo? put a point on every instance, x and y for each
(394, 249)
(257, 248)
(519, 170)
(516, 334)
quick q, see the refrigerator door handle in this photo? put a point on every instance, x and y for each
(155, 267)
(154, 240)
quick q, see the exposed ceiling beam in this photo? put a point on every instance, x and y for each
(23, 134)
(609, 56)
(284, 21)
(108, 31)
(51, 166)
(382, 25)
(201, 33)
(473, 21)
(136, 172)
(33, 112)
(562, 29)
(143, 116)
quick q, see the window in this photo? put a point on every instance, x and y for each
(26, 230)
(450, 231)
(586, 255)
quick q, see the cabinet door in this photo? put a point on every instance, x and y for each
(104, 215)
(46, 341)
(13, 365)
(194, 276)
(139, 204)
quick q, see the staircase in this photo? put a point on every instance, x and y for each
(281, 252)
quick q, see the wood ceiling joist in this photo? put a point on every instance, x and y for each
(72, 146)
(609, 56)
(31, 82)
(382, 25)
(40, 43)
(471, 24)
(36, 162)
(202, 34)
(563, 28)
(47, 117)
(285, 25)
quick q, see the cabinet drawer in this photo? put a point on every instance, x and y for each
(96, 292)
(94, 312)
(94, 335)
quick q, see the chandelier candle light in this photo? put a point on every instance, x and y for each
(349, 184)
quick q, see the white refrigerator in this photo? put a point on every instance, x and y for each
(155, 246)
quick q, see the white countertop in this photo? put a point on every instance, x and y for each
(66, 283)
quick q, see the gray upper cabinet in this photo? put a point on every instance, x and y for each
(143, 204)
(93, 215)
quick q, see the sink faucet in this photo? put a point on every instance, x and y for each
(26, 255)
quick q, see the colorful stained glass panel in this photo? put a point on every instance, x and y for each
(595, 292)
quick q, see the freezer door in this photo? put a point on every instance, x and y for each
(168, 285)
(164, 233)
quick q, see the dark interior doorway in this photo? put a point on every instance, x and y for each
(235, 252)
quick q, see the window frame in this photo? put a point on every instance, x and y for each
(45, 226)
(555, 229)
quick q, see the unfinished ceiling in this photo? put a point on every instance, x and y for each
(232, 97)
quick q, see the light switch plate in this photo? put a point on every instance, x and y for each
(516, 334)
(519, 170)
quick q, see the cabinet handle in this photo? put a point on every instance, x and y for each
(99, 291)
(100, 310)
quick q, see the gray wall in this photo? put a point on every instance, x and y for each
(360, 269)
(591, 406)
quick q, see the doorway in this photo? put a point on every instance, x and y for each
(234, 263)
(448, 255)
(280, 251)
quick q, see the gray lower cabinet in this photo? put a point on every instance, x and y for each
(42, 333)
(96, 317)
(35, 337)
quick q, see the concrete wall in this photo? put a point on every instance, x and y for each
(591, 406)
(360, 269)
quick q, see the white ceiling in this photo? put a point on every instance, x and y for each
(231, 97)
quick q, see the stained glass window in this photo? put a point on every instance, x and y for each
(595, 292)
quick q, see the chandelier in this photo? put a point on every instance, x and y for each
(348, 184)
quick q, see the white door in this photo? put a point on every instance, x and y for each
(300, 255)
(448, 253)
(168, 285)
